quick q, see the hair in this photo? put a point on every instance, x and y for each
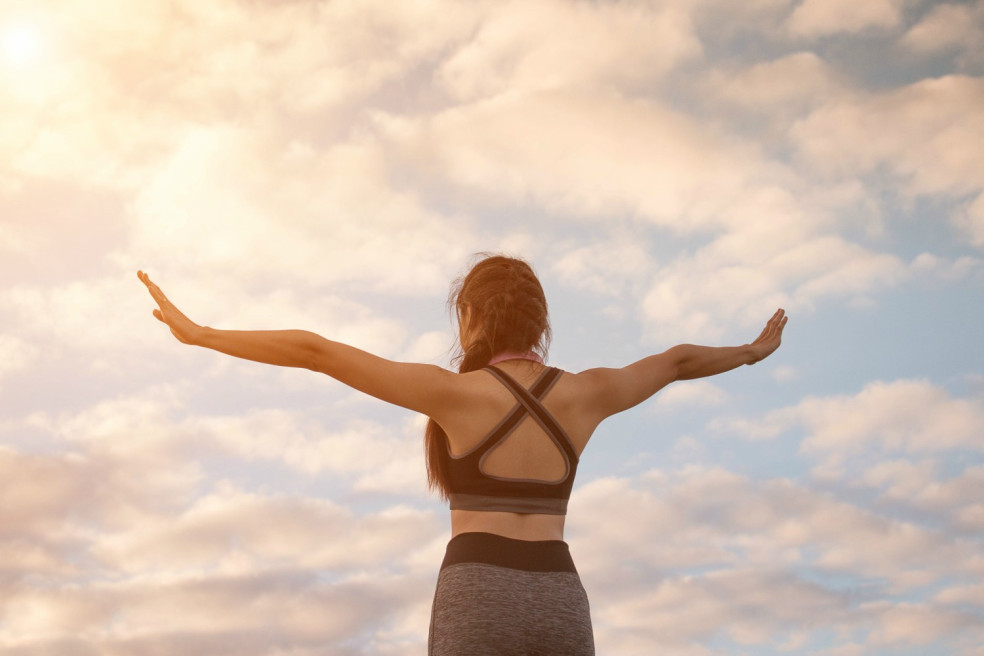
(507, 312)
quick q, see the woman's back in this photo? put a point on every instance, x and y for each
(524, 452)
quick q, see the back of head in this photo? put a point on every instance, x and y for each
(506, 310)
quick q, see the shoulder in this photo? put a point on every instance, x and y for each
(605, 391)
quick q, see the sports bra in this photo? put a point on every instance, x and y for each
(472, 489)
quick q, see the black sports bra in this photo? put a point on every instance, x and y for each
(472, 489)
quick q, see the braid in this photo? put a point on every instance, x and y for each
(509, 312)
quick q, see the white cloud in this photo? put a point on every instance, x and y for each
(706, 552)
(590, 156)
(261, 613)
(688, 449)
(691, 393)
(791, 84)
(971, 220)
(179, 564)
(102, 314)
(891, 439)
(740, 279)
(231, 532)
(919, 485)
(771, 228)
(931, 118)
(527, 46)
(609, 268)
(903, 416)
(815, 18)
(433, 347)
(934, 120)
(784, 373)
(909, 416)
(15, 355)
(125, 83)
(918, 624)
(259, 207)
(950, 27)
(108, 320)
(946, 269)
(378, 459)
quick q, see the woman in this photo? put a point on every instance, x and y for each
(503, 442)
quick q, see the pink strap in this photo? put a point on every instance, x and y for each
(516, 355)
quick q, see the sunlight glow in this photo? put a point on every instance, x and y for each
(20, 44)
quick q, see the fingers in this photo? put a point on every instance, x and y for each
(154, 290)
(777, 323)
(773, 328)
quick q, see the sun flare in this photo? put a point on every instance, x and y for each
(20, 44)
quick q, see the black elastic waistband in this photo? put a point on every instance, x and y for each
(526, 555)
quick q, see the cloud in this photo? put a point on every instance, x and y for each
(765, 229)
(744, 606)
(691, 393)
(956, 269)
(930, 120)
(920, 485)
(138, 550)
(890, 438)
(234, 532)
(790, 84)
(598, 45)
(571, 167)
(714, 546)
(903, 416)
(950, 27)
(817, 18)
(784, 373)
(368, 452)
(934, 120)
(241, 203)
(741, 278)
(612, 268)
(139, 80)
(704, 554)
(15, 355)
(256, 614)
(65, 316)
(971, 220)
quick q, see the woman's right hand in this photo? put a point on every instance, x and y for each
(183, 328)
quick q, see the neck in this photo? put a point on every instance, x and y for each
(515, 355)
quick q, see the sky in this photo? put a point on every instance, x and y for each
(675, 171)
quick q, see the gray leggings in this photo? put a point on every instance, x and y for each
(528, 600)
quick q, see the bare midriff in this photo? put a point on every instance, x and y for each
(511, 525)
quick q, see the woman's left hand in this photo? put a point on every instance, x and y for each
(767, 342)
(183, 328)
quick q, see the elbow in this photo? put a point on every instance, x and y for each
(680, 362)
(315, 355)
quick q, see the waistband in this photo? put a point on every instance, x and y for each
(526, 555)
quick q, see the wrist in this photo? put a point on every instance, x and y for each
(200, 336)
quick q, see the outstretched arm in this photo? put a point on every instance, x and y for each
(691, 361)
(420, 387)
(619, 389)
